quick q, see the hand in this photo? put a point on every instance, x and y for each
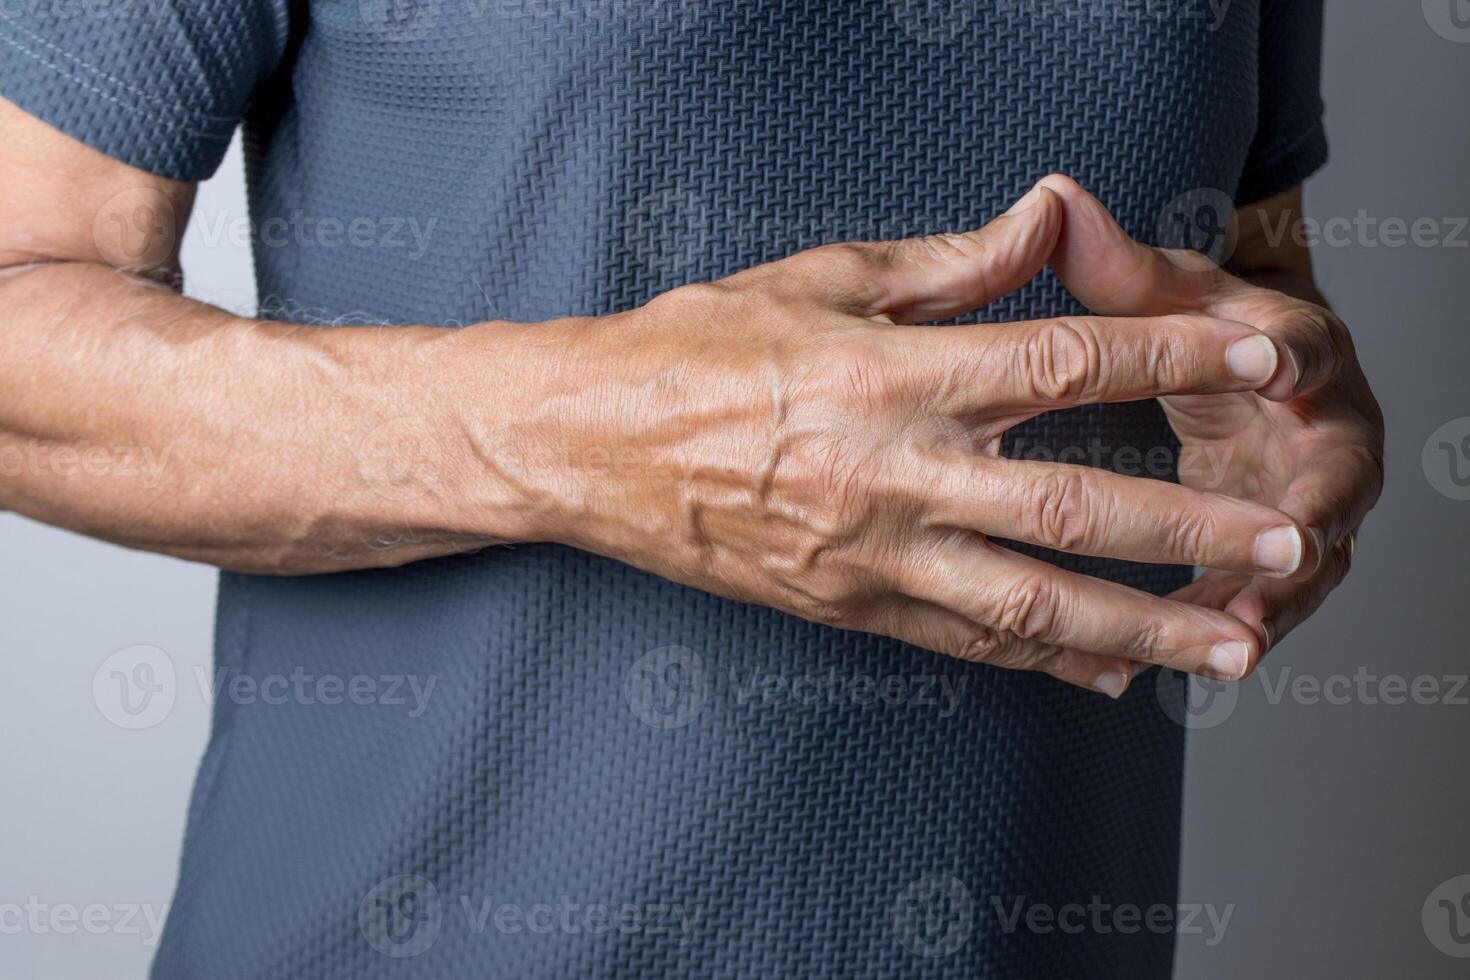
(1309, 443)
(784, 438)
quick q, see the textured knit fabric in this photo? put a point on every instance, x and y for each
(611, 775)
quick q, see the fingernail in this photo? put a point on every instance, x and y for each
(1113, 683)
(1252, 359)
(1320, 540)
(1269, 628)
(1264, 632)
(1228, 660)
(1279, 550)
(1032, 196)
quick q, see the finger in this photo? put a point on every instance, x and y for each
(1333, 493)
(1314, 342)
(1105, 675)
(1089, 511)
(1085, 360)
(1274, 608)
(1213, 589)
(1030, 599)
(1111, 273)
(931, 627)
(937, 277)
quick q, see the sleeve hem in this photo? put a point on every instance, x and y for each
(187, 148)
(1285, 167)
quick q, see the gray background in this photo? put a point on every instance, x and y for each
(1321, 822)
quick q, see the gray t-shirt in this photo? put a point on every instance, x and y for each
(612, 775)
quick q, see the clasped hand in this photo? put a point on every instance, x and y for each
(791, 438)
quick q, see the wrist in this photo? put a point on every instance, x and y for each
(499, 395)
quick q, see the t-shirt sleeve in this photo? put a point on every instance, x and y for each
(158, 84)
(1290, 143)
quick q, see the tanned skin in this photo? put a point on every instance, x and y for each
(788, 436)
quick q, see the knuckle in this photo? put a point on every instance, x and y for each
(1171, 355)
(854, 489)
(947, 246)
(1005, 650)
(702, 294)
(1027, 608)
(1058, 662)
(982, 646)
(850, 259)
(1151, 643)
(834, 614)
(1021, 654)
(860, 374)
(826, 596)
(1062, 511)
(1323, 337)
(842, 269)
(848, 485)
(695, 300)
(1191, 536)
(1062, 361)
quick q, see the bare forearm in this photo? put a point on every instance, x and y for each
(130, 413)
(778, 437)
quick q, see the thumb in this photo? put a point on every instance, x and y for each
(921, 280)
(1111, 273)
